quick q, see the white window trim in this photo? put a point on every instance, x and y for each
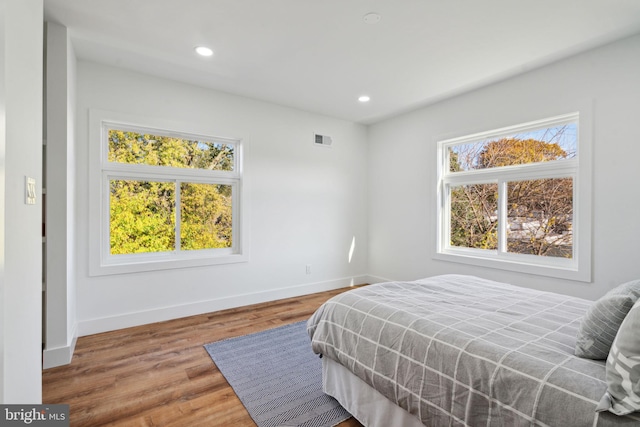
(101, 262)
(579, 169)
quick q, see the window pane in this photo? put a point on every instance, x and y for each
(141, 216)
(138, 148)
(540, 217)
(474, 216)
(206, 216)
(541, 145)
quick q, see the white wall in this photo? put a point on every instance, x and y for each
(305, 203)
(20, 236)
(402, 162)
(3, 323)
(60, 205)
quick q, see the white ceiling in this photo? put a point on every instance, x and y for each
(320, 55)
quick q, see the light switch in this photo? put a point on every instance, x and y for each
(30, 191)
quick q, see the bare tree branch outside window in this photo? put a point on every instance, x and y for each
(539, 211)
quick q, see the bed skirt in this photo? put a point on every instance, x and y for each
(363, 402)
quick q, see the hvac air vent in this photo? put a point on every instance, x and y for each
(322, 140)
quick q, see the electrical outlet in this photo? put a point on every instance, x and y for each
(308, 268)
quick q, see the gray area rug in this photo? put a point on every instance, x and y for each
(278, 378)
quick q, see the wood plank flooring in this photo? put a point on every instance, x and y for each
(160, 374)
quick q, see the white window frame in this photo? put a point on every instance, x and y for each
(578, 168)
(102, 171)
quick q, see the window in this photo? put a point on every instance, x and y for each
(508, 198)
(166, 199)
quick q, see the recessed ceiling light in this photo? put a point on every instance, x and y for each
(203, 51)
(364, 98)
(372, 18)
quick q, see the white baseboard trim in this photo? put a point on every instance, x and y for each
(105, 324)
(58, 356)
(377, 279)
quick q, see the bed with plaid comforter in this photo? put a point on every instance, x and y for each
(464, 351)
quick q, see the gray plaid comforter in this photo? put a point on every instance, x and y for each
(463, 351)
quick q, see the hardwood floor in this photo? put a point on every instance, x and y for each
(160, 374)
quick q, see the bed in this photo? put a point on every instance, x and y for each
(459, 350)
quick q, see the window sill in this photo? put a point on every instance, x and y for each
(155, 262)
(553, 267)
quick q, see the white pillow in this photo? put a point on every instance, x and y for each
(623, 368)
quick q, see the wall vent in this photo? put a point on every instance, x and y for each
(322, 140)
